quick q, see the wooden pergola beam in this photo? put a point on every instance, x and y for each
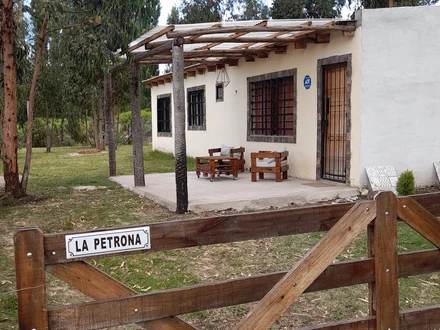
(249, 29)
(231, 37)
(152, 37)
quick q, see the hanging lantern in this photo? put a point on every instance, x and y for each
(223, 77)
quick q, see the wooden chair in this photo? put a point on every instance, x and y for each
(233, 152)
(269, 162)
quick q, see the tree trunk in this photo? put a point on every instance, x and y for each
(95, 126)
(100, 133)
(136, 127)
(48, 133)
(179, 129)
(87, 130)
(109, 126)
(32, 94)
(62, 130)
(10, 163)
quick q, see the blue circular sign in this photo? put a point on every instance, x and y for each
(307, 82)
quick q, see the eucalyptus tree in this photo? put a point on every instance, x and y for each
(309, 9)
(98, 27)
(245, 10)
(11, 25)
(201, 11)
(111, 26)
(369, 4)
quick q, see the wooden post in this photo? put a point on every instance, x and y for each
(109, 123)
(136, 127)
(371, 285)
(179, 127)
(385, 257)
(30, 278)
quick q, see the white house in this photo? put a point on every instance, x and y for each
(339, 96)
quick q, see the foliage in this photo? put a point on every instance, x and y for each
(396, 3)
(405, 184)
(145, 93)
(245, 10)
(106, 26)
(125, 126)
(200, 11)
(125, 117)
(306, 9)
(196, 11)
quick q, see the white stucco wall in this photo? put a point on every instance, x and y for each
(400, 122)
(226, 122)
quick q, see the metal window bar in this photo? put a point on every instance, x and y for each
(334, 137)
(272, 107)
(163, 115)
(196, 113)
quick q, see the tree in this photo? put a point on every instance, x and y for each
(245, 10)
(97, 27)
(202, 11)
(196, 11)
(369, 4)
(306, 9)
(10, 161)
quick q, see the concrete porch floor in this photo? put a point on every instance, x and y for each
(240, 194)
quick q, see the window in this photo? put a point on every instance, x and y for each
(196, 108)
(219, 88)
(164, 115)
(272, 107)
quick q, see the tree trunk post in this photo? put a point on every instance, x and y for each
(179, 127)
(109, 127)
(10, 162)
(136, 127)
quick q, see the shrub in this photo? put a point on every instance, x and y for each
(405, 184)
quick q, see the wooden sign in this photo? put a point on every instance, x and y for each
(105, 242)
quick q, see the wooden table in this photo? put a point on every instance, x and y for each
(212, 165)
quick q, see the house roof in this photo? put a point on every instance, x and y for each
(213, 45)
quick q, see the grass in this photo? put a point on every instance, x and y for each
(55, 206)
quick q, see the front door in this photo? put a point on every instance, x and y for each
(334, 132)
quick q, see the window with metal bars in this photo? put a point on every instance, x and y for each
(164, 115)
(196, 108)
(272, 107)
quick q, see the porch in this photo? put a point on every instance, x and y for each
(240, 194)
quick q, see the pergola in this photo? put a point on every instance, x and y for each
(210, 46)
(194, 48)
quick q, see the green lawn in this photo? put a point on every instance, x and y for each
(55, 206)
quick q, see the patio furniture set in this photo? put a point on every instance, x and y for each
(229, 160)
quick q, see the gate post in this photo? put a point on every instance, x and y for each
(385, 259)
(30, 278)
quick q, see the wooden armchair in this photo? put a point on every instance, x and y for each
(269, 162)
(233, 152)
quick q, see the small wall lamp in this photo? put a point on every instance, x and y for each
(223, 77)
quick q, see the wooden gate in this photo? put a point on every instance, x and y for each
(117, 304)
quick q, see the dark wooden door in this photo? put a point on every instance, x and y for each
(334, 128)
